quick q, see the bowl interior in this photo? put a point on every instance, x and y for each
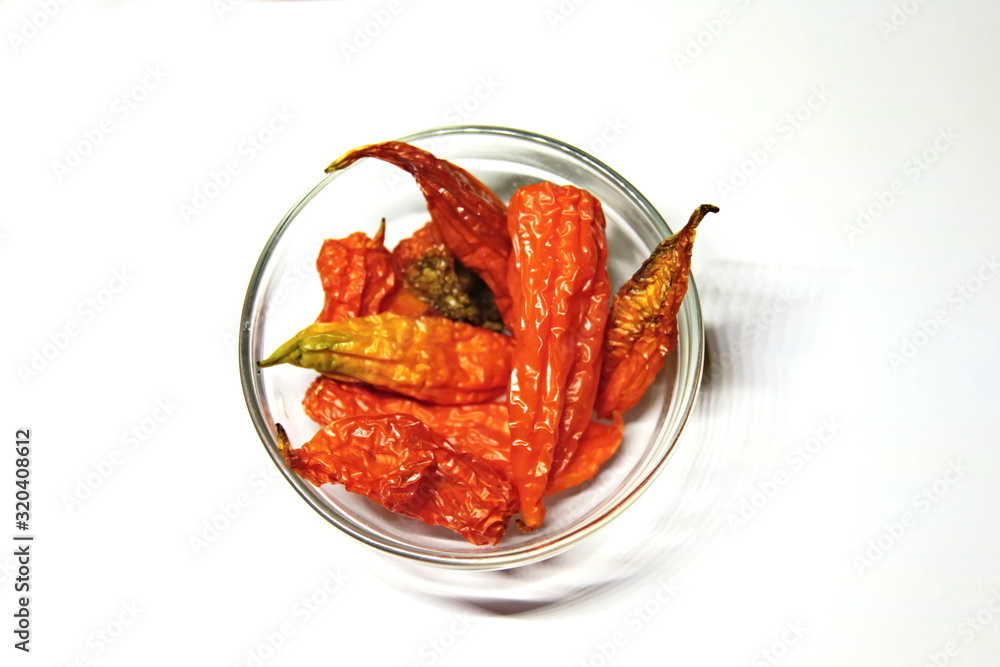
(285, 295)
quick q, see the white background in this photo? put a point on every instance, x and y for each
(871, 340)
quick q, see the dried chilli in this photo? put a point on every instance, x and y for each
(429, 358)
(470, 218)
(357, 273)
(643, 326)
(479, 429)
(425, 405)
(400, 464)
(559, 285)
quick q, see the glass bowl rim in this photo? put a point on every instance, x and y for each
(689, 376)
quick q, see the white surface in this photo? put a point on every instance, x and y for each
(802, 316)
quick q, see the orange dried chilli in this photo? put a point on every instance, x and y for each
(468, 215)
(479, 429)
(642, 330)
(429, 358)
(357, 274)
(560, 291)
(399, 463)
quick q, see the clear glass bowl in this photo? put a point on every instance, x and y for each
(284, 296)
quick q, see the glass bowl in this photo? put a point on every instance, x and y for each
(284, 296)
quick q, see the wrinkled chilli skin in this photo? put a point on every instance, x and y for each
(358, 275)
(477, 428)
(413, 247)
(428, 358)
(361, 277)
(399, 463)
(468, 215)
(642, 330)
(560, 290)
(480, 429)
(597, 444)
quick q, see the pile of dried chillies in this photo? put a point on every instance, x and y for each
(412, 351)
